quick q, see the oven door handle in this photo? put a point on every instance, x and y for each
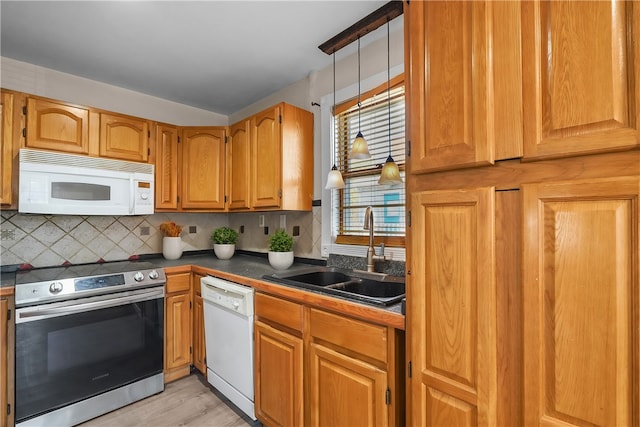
(30, 314)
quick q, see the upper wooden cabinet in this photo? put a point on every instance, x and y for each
(9, 148)
(450, 68)
(59, 126)
(239, 166)
(124, 138)
(282, 159)
(581, 63)
(166, 167)
(203, 168)
(581, 302)
(53, 125)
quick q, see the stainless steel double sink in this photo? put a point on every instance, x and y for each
(373, 288)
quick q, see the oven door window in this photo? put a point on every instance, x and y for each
(62, 360)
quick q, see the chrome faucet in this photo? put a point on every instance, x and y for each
(371, 251)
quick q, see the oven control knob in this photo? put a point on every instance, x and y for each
(138, 277)
(153, 275)
(55, 287)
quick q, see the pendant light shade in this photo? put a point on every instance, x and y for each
(359, 148)
(390, 174)
(334, 179)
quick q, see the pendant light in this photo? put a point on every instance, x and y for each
(390, 174)
(334, 179)
(359, 148)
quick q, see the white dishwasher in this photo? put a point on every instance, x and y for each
(228, 330)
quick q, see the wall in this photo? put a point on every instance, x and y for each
(51, 240)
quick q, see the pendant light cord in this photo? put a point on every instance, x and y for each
(358, 83)
(389, 84)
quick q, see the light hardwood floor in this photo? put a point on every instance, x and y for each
(186, 402)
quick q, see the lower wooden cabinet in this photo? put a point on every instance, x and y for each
(6, 361)
(199, 348)
(177, 325)
(279, 376)
(317, 368)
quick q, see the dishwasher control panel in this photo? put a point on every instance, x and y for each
(229, 295)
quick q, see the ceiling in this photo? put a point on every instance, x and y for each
(220, 56)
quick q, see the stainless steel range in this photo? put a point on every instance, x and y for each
(89, 339)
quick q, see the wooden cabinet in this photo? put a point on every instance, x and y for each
(198, 340)
(471, 114)
(59, 126)
(270, 161)
(581, 291)
(278, 349)
(202, 171)
(177, 355)
(318, 368)
(123, 137)
(7, 344)
(239, 166)
(9, 149)
(581, 72)
(54, 125)
(453, 306)
(348, 372)
(166, 167)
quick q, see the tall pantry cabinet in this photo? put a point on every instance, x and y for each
(524, 187)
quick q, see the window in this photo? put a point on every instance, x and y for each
(361, 176)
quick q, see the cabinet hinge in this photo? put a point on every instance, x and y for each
(280, 118)
(24, 110)
(148, 151)
(225, 198)
(8, 408)
(409, 369)
(24, 132)
(8, 314)
(190, 350)
(178, 199)
(189, 304)
(387, 397)
(408, 148)
(148, 134)
(409, 218)
(280, 193)
(205, 360)
(178, 140)
(226, 139)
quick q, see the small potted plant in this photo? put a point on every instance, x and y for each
(280, 250)
(172, 245)
(224, 242)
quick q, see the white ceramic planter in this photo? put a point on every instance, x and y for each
(224, 251)
(172, 247)
(280, 260)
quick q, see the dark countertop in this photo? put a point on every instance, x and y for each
(249, 265)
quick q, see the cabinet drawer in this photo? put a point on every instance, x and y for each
(361, 337)
(277, 310)
(178, 282)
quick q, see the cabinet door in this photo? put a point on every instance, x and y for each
(239, 166)
(124, 138)
(581, 74)
(581, 302)
(452, 306)
(266, 159)
(345, 391)
(449, 68)
(167, 161)
(57, 126)
(177, 335)
(202, 173)
(278, 377)
(6, 161)
(199, 348)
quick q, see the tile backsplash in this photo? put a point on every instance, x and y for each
(47, 240)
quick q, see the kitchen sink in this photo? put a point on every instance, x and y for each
(373, 288)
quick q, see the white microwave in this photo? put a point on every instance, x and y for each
(69, 184)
